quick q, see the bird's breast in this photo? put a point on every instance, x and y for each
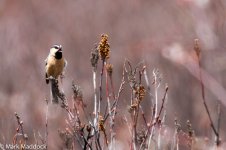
(54, 67)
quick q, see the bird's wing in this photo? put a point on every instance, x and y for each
(65, 64)
(46, 61)
(46, 76)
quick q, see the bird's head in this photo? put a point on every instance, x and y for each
(56, 51)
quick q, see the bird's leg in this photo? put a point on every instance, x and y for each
(61, 77)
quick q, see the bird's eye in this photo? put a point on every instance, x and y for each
(56, 46)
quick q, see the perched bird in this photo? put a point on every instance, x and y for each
(55, 65)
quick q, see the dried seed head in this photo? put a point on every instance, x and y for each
(197, 47)
(94, 57)
(101, 123)
(109, 68)
(177, 125)
(140, 92)
(189, 128)
(104, 47)
(77, 92)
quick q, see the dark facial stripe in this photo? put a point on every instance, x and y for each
(56, 46)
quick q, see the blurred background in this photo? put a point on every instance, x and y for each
(160, 33)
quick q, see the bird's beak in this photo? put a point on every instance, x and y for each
(60, 49)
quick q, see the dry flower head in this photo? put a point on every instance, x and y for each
(104, 47)
(101, 123)
(109, 68)
(140, 92)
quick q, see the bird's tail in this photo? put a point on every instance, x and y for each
(54, 91)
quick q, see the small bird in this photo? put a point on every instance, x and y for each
(55, 65)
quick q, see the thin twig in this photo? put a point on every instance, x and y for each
(46, 124)
(156, 84)
(95, 98)
(143, 116)
(19, 128)
(197, 50)
(218, 125)
(109, 105)
(94, 62)
(148, 85)
(100, 99)
(163, 102)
